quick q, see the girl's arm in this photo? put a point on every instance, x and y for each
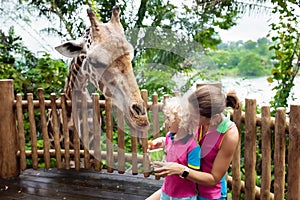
(156, 143)
(220, 166)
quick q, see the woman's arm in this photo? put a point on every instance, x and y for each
(220, 166)
(222, 161)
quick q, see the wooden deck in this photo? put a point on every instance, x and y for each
(71, 184)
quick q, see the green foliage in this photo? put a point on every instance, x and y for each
(287, 51)
(29, 72)
(244, 58)
(250, 65)
(203, 17)
(153, 76)
(48, 74)
(41, 163)
(197, 21)
(64, 11)
(158, 81)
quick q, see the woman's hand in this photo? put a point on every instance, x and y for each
(164, 169)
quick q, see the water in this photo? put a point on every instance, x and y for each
(254, 88)
(259, 89)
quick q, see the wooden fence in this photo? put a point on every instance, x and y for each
(269, 145)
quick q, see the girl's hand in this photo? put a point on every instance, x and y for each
(164, 169)
(156, 143)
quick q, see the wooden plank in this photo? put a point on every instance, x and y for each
(294, 154)
(83, 184)
(266, 152)
(128, 156)
(154, 109)
(109, 135)
(279, 154)
(85, 136)
(55, 131)
(8, 134)
(144, 95)
(134, 143)
(45, 133)
(146, 159)
(144, 140)
(250, 148)
(33, 189)
(32, 131)
(21, 132)
(76, 140)
(236, 165)
(58, 102)
(14, 190)
(166, 125)
(121, 142)
(97, 132)
(65, 130)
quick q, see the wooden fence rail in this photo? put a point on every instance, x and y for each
(266, 164)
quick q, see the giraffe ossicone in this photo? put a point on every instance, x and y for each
(105, 61)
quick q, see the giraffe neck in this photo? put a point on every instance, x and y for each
(73, 72)
(76, 64)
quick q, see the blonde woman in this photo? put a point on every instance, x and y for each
(218, 138)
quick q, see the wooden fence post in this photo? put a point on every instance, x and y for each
(109, 136)
(293, 192)
(155, 117)
(279, 154)
(121, 141)
(250, 148)
(9, 166)
(146, 161)
(266, 152)
(236, 166)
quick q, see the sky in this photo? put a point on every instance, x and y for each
(251, 26)
(248, 28)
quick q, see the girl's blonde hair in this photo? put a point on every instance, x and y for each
(175, 109)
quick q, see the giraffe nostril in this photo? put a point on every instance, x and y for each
(139, 109)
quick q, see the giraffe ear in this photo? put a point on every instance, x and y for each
(71, 48)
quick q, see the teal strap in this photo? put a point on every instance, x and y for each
(224, 125)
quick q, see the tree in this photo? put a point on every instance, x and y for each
(263, 47)
(195, 21)
(250, 45)
(184, 23)
(287, 50)
(250, 65)
(250, 58)
(29, 72)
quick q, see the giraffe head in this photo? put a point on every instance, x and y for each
(106, 58)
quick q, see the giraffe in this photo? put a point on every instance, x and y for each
(103, 57)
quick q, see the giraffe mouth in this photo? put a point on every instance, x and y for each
(138, 116)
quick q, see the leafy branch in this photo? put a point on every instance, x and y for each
(287, 52)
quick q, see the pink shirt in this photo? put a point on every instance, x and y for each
(210, 145)
(186, 152)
